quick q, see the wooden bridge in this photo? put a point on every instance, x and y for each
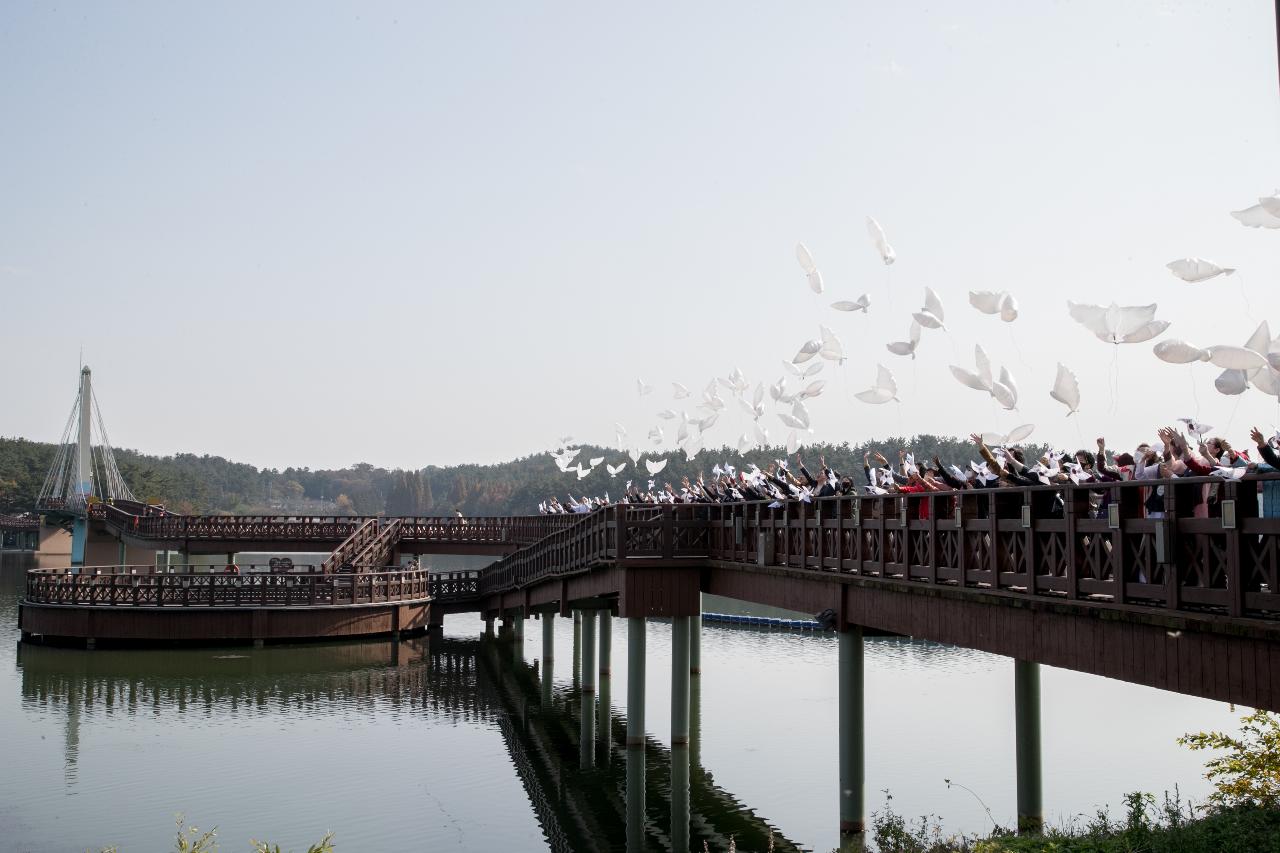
(1081, 577)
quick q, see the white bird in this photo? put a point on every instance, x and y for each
(1066, 390)
(1261, 215)
(565, 439)
(793, 443)
(1195, 427)
(634, 453)
(642, 387)
(1115, 324)
(655, 467)
(582, 472)
(596, 461)
(656, 435)
(883, 391)
(614, 470)
(1179, 352)
(808, 351)
(744, 443)
(878, 239)
(778, 389)
(762, 436)
(907, 347)
(707, 423)
(667, 414)
(678, 391)
(860, 304)
(1196, 270)
(986, 301)
(791, 420)
(931, 316)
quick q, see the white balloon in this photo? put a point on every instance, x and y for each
(793, 443)
(1179, 352)
(968, 378)
(1115, 324)
(1020, 433)
(1008, 308)
(1066, 390)
(815, 281)
(860, 304)
(933, 304)
(1196, 270)
(805, 259)
(986, 301)
(881, 243)
(1257, 217)
(808, 351)
(655, 467)
(885, 389)
(1232, 382)
(1235, 358)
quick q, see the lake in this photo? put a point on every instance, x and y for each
(420, 745)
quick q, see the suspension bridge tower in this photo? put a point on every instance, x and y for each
(83, 472)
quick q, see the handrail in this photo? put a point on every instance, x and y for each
(19, 522)
(1099, 542)
(185, 586)
(351, 546)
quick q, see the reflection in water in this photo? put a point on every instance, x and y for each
(460, 680)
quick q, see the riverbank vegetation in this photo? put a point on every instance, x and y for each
(190, 483)
(1242, 815)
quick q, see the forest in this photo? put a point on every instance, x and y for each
(191, 483)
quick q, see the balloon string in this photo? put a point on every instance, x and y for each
(888, 287)
(1079, 431)
(1017, 348)
(1248, 309)
(1195, 393)
(955, 348)
(1234, 409)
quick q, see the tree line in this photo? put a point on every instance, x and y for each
(191, 483)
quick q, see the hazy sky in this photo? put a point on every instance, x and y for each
(316, 234)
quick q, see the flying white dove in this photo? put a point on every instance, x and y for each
(810, 269)
(878, 239)
(1066, 390)
(1017, 434)
(1196, 270)
(1118, 325)
(655, 466)
(614, 470)
(667, 414)
(832, 349)
(808, 351)
(642, 387)
(931, 317)
(989, 302)
(678, 391)
(1234, 381)
(883, 391)
(1264, 214)
(813, 389)
(1179, 352)
(1005, 390)
(907, 347)
(982, 379)
(596, 460)
(860, 304)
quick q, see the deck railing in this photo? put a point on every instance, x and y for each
(1191, 544)
(209, 586)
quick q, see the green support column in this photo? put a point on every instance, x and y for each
(577, 648)
(1026, 697)
(604, 707)
(548, 655)
(635, 735)
(587, 735)
(517, 637)
(853, 823)
(680, 680)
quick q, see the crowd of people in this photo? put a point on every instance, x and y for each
(1172, 456)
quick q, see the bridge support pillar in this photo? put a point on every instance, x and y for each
(695, 641)
(605, 705)
(1026, 697)
(587, 735)
(681, 628)
(635, 734)
(488, 627)
(577, 649)
(79, 538)
(853, 822)
(548, 655)
(517, 638)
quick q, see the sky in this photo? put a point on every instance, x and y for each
(408, 234)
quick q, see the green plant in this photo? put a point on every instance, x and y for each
(191, 840)
(324, 846)
(1249, 773)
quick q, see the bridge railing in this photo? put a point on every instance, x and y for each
(484, 530)
(25, 523)
(1191, 544)
(195, 586)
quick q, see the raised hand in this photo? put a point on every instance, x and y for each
(1258, 438)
